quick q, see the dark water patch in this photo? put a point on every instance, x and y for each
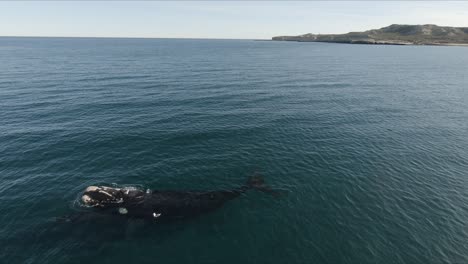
(368, 144)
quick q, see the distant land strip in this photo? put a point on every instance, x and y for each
(392, 35)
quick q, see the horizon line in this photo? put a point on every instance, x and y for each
(106, 37)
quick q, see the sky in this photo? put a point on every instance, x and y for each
(218, 19)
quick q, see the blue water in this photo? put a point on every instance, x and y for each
(368, 143)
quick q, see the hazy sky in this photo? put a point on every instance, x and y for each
(218, 19)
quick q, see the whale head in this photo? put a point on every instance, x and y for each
(102, 196)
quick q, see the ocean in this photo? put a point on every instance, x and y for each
(367, 143)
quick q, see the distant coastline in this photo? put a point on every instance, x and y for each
(392, 35)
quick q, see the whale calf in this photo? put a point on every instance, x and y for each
(164, 205)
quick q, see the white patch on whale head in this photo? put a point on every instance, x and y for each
(123, 210)
(86, 199)
(92, 189)
(156, 215)
(106, 193)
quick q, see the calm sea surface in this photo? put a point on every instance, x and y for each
(368, 143)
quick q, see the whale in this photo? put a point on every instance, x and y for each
(164, 205)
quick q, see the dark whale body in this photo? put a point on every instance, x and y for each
(163, 205)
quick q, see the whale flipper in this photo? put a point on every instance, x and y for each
(257, 182)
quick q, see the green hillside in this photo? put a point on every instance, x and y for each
(392, 35)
